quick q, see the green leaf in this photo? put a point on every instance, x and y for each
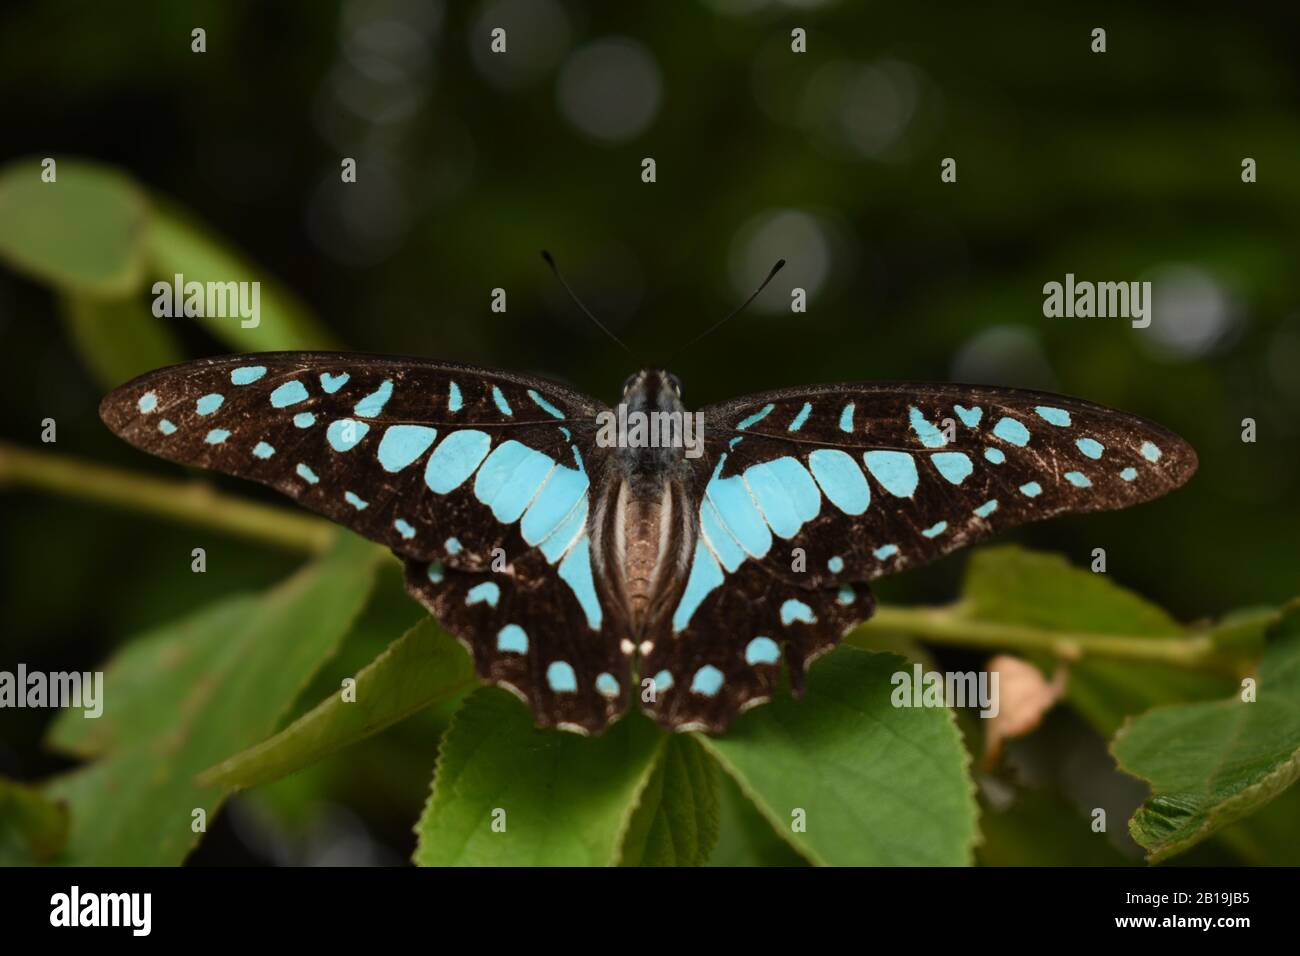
(1210, 764)
(877, 784)
(191, 693)
(117, 339)
(1009, 585)
(423, 667)
(84, 231)
(33, 828)
(676, 822)
(180, 245)
(745, 837)
(564, 800)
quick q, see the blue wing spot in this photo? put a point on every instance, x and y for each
(568, 436)
(351, 498)
(1010, 430)
(247, 374)
(510, 479)
(1128, 474)
(454, 400)
(795, 610)
(263, 450)
(1031, 489)
(735, 441)
(846, 418)
(1053, 416)
(404, 529)
(455, 459)
(402, 444)
(306, 474)
(1150, 452)
(935, 529)
(486, 593)
(332, 383)
(841, 480)
(995, 455)
(755, 418)
(955, 466)
(512, 639)
(217, 436)
(557, 499)
(1090, 447)
(434, 574)
(885, 552)
(556, 544)
(785, 492)
(344, 434)
(802, 417)
(545, 406)
(931, 437)
(738, 512)
(147, 403)
(561, 678)
(290, 393)
(304, 419)
(970, 417)
(1078, 479)
(662, 681)
(209, 403)
(374, 403)
(606, 685)
(707, 681)
(986, 509)
(704, 577)
(762, 650)
(502, 405)
(895, 470)
(846, 596)
(575, 571)
(835, 565)
(453, 545)
(166, 427)
(719, 540)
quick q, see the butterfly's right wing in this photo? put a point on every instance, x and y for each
(484, 476)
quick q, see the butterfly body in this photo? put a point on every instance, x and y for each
(589, 575)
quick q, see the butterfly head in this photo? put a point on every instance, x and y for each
(653, 390)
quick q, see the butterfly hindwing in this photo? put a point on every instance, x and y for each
(528, 635)
(485, 474)
(729, 656)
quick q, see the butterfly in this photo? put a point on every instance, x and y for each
(579, 571)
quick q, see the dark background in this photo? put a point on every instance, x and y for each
(1117, 166)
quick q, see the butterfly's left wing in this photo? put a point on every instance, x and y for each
(479, 480)
(804, 495)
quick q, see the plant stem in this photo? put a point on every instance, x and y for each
(198, 504)
(948, 625)
(189, 502)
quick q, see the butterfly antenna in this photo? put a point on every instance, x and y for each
(578, 302)
(780, 263)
